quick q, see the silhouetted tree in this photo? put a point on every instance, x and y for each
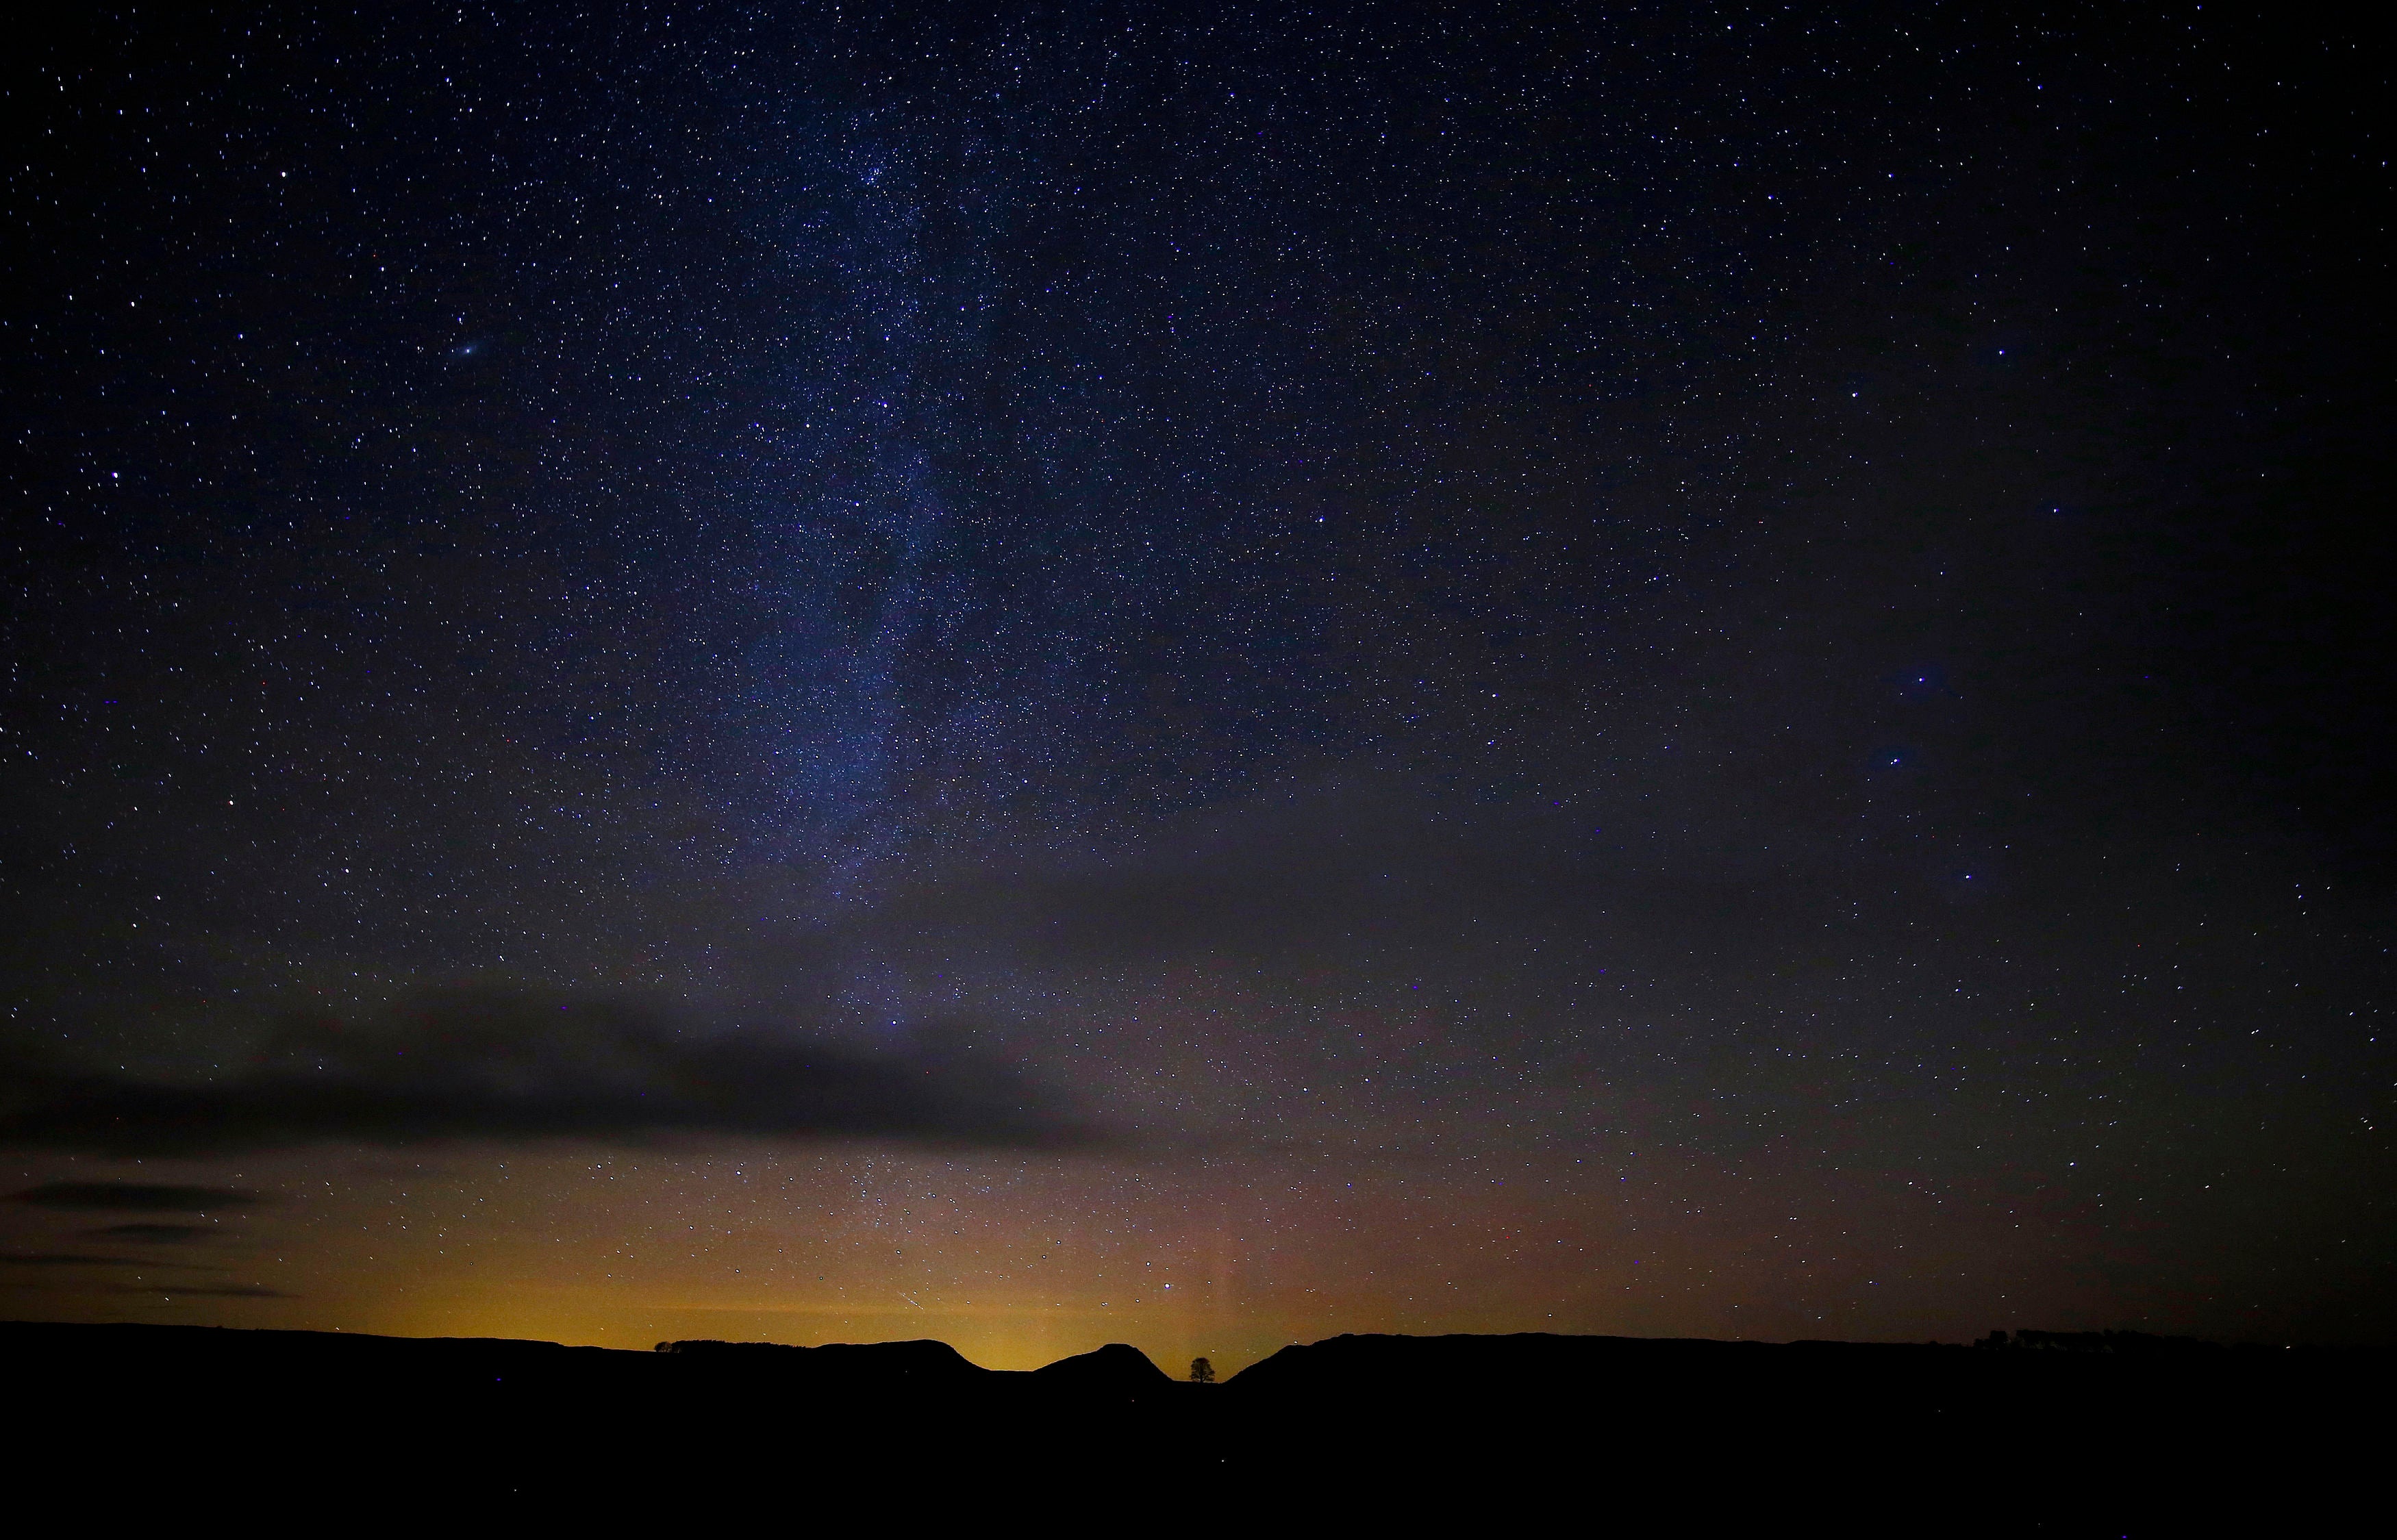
(1201, 1372)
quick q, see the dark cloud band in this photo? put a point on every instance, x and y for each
(157, 1235)
(137, 1197)
(483, 1065)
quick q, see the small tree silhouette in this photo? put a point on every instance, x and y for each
(1201, 1372)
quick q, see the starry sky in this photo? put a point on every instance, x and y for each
(1195, 676)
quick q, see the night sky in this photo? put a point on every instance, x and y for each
(1197, 678)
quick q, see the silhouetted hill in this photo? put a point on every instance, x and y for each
(889, 1368)
(1379, 1368)
(1533, 1368)
(1696, 1436)
(1116, 1375)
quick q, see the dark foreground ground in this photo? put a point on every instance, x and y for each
(1587, 1434)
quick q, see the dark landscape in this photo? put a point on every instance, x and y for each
(2029, 1432)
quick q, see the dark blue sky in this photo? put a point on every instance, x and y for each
(1374, 601)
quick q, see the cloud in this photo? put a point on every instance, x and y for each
(137, 1197)
(168, 1290)
(472, 1064)
(39, 1261)
(159, 1234)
